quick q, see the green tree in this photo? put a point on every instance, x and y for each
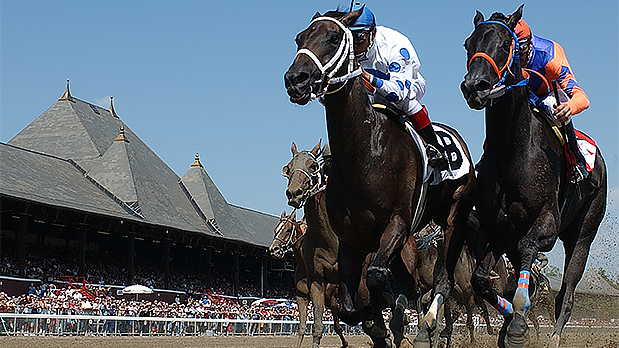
(552, 271)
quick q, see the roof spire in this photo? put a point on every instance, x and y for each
(112, 111)
(121, 136)
(196, 163)
(67, 94)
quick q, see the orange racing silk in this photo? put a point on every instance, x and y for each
(550, 63)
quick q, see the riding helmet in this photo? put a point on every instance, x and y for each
(365, 21)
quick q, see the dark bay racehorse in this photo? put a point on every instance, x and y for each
(375, 183)
(523, 197)
(315, 250)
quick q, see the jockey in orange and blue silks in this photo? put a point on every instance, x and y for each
(390, 69)
(544, 60)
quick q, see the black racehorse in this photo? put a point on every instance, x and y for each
(523, 195)
(374, 191)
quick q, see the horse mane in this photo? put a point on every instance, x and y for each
(498, 16)
(335, 13)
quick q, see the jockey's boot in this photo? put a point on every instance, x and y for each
(579, 172)
(435, 152)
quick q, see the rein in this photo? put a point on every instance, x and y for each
(344, 51)
(296, 226)
(317, 180)
(512, 63)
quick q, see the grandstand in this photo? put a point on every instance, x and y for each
(85, 200)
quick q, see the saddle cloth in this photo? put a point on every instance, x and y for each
(459, 163)
(587, 147)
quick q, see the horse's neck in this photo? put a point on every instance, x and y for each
(319, 230)
(346, 125)
(509, 125)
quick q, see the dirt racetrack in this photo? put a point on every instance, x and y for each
(573, 338)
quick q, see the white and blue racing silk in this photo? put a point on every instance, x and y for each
(393, 62)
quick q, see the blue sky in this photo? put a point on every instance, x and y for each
(207, 76)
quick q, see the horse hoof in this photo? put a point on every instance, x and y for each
(422, 340)
(406, 343)
(554, 341)
(516, 335)
(377, 278)
(382, 343)
(421, 344)
(503, 331)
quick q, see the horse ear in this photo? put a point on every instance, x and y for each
(479, 17)
(316, 148)
(294, 149)
(515, 17)
(350, 18)
(316, 15)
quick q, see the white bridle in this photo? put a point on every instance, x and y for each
(345, 50)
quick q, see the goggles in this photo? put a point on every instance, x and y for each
(360, 36)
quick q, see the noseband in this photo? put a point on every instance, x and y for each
(512, 63)
(344, 51)
(316, 179)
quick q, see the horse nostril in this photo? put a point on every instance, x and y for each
(288, 194)
(299, 192)
(482, 86)
(300, 78)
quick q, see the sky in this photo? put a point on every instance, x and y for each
(207, 76)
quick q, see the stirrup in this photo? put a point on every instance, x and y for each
(436, 159)
(579, 173)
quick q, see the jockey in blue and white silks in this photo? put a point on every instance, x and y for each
(391, 74)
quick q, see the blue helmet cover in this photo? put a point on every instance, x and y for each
(365, 21)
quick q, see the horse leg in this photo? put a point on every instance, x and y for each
(350, 266)
(484, 312)
(302, 303)
(317, 294)
(533, 318)
(576, 254)
(378, 275)
(393, 238)
(331, 301)
(469, 319)
(397, 320)
(448, 255)
(451, 313)
(483, 287)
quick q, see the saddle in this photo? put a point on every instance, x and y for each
(586, 144)
(458, 161)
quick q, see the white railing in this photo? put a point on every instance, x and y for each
(13, 324)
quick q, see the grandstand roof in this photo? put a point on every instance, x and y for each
(81, 156)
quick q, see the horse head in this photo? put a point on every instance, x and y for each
(283, 235)
(304, 176)
(492, 55)
(322, 50)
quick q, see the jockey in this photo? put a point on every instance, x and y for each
(544, 61)
(390, 70)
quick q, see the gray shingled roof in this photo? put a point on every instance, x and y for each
(252, 227)
(53, 181)
(75, 140)
(262, 224)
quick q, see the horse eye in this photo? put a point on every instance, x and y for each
(312, 166)
(286, 171)
(333, 38)
(506, 45)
